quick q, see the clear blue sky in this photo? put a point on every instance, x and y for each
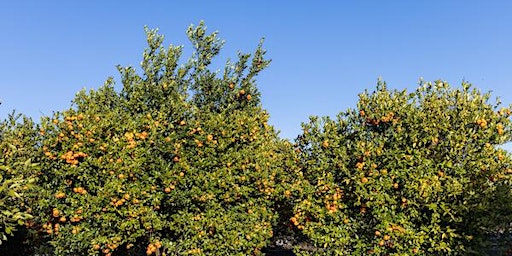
(324, 52)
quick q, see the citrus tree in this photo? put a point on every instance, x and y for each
(180, 161)
(405, 173)
(17, 140)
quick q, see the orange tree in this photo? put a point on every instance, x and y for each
(17, 140)
(181, 161)
(406, 173)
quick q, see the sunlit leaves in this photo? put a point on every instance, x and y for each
(418, 172)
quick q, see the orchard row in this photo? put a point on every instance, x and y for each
(182, 161)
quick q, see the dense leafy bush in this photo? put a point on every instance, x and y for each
(406, 173)
(17, 140)
(181, 161)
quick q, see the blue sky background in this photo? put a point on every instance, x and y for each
(324, 52)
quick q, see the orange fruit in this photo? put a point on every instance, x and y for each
(55, 212)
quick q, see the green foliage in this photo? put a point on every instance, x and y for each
(406, 173)
(16, 143)
(181, 161)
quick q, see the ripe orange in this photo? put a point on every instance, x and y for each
(55, 212)
(60, 195)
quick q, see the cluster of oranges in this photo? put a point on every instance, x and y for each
(60, 195)
(499, 127)
(505, 112)
(51, 228)
(131, 141)
(295, 222)
(118, 202)
(73, 158)
(153, 247)
(481, 122)
(169, 189)
(80, 190)
(332, 202)
(388, 117)
(241, 93)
